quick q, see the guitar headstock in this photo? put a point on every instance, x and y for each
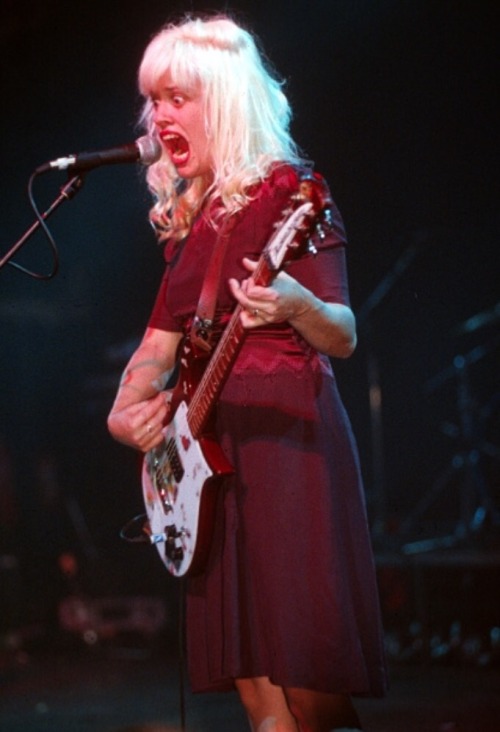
(307, 212)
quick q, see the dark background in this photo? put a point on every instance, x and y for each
(395, 102)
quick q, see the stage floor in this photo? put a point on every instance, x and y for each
(137, 690)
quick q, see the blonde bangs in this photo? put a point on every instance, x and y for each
(167, 53)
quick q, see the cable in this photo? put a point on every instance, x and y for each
(40, 218)
(181, 633)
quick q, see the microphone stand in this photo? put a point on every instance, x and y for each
(379, 491)
(67, 192)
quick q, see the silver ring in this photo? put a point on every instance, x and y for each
(149, 428)
(255, 312)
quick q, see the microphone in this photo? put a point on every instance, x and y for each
(145, 150)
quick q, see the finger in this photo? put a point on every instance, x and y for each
(237, 291)
(155, 422)
(250, 264)
(249, 308)
(149, 421)
(151, 437)
(154, 408)
(253, 318)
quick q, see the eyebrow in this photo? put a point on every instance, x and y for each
(166, 90)
(175, 89)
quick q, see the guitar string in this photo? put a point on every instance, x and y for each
(196, 414)
(164, 465)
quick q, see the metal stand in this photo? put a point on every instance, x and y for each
(67, 192)
(378, 486)
(476, 507)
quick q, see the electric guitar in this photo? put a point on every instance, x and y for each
(180, 477)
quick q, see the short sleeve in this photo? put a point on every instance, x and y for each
(323, 269)
(161, 318)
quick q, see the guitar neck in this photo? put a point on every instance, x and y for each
(287, 240)
(222, 360)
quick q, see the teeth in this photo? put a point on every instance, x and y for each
(177, 146)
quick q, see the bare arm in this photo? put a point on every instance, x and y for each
(328, 327)
(140, 408)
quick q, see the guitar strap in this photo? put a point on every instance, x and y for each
(201, 329)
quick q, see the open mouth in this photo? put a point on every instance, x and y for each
(177, 147)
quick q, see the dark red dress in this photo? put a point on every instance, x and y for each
(289, 591)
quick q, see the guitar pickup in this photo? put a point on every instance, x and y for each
(174, 460)
(167, 471)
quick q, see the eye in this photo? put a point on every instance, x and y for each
(178, 100)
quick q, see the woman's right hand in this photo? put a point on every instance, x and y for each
(141, 407)
(140, 424)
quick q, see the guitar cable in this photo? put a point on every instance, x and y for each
(135, 531)
(181, 655)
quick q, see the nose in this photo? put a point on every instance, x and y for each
(161, 114)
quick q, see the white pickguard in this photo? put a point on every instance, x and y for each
(171, 500)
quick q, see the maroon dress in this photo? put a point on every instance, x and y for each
(289, 591)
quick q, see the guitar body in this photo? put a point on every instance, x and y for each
(180, 479)
(181, 476)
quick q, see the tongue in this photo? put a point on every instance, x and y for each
(178, 149)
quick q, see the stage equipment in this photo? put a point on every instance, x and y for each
(465, 472)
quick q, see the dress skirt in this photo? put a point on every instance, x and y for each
(289, 591)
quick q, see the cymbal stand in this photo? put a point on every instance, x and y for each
(474, 500)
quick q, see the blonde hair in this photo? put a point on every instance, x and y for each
(247, 117)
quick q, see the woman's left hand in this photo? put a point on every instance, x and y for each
(329, 327)
(282, 301)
